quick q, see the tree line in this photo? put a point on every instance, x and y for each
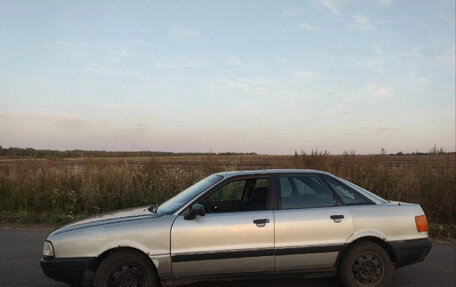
(16, 152)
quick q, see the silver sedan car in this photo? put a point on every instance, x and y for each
(242, 224)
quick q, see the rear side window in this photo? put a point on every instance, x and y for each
(304, 191)
(348, 195)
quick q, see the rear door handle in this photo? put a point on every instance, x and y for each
(261, 221)
(337, 217)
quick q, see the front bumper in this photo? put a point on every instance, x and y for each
(69, 270)
(411, 251)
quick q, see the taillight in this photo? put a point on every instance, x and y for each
(421, 223)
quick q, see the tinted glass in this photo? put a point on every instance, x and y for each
(362, 190)
(239, 195)
(230, 191)
(304, 191)
(348, 195)
(176, 202)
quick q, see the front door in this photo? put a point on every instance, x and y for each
(235, 236)
(310, 226)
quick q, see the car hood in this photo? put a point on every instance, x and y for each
(108, 218)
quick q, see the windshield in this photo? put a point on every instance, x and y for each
(176, 202)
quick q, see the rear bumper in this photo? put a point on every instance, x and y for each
(411, 251)
(69, 270)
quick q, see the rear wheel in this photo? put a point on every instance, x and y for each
(126, 268)
(365, 264)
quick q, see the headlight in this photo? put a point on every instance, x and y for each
(48, 249)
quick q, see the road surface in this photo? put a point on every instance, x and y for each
(20, 252)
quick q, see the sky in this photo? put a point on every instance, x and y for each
(241, 76)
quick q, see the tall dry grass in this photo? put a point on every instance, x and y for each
(59, 191)
(40, 191)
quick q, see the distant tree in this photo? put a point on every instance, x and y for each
(435, 150)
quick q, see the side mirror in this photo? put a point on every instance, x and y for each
(196, 209)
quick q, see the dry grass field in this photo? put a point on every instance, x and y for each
(60, 190)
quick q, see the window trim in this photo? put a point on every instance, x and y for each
(337, 202)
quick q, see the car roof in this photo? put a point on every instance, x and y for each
(228, 174)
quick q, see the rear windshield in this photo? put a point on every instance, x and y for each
(363, 191)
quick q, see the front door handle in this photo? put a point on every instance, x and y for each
(261, 222)
(337, 218)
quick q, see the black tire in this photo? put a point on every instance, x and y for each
(126, 267)
(365, 264)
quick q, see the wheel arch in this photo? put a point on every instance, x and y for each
(372, 238)
(93, 265)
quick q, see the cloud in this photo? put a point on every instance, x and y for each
(350, 134)
(182, 32)
(384, 2)
(290, 12)
(247, 85)
(331, 5)
(423, 80)
(326, 56)
(138, 128)
(142, 125)
(109, 71)
(287, 88)
(305, 26)
(231, 60)
(65, 121)
(110, 52)
(127, 108)
(378, 92)
(179, 62)
(301, 75)
(4, 116)
(446, 19)
(416, 51)
(119, 52)
(372, 63)
(379, 127)
(447, 59)
(414, 76)
(363, 22)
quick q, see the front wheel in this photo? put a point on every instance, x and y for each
(126, 269)
(365, 264)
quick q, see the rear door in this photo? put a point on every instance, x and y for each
(235, 236)
(311, 225)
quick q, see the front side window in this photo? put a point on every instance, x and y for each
(304, 191)
(348, 195)
(239, 195)
(176, 202)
